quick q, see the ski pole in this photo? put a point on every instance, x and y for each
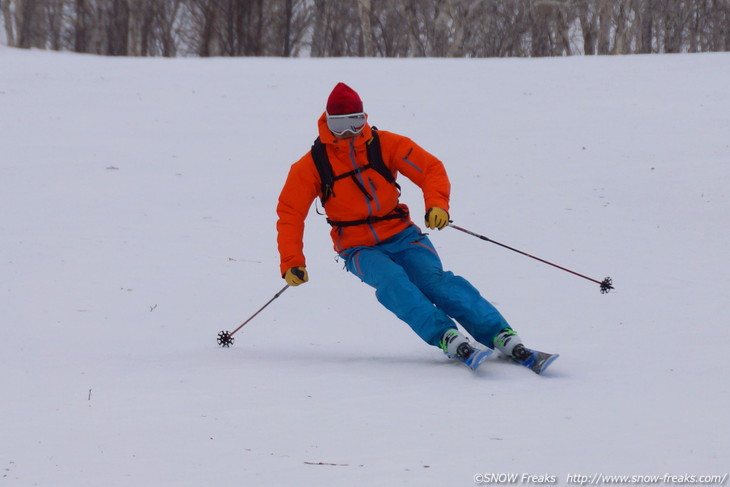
(606, 284)
(225, 338)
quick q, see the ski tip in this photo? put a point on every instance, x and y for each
(478, 358)
(546, 363)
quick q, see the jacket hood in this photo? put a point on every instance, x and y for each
(328, 137)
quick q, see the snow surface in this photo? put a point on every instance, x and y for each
(137, 212)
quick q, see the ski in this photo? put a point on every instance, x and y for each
(474, 360)
(538, 361)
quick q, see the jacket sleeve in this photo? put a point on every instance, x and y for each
(418, 165)
(300, 190)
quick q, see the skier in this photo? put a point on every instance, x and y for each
(377, 239)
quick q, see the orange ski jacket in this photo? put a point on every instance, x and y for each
(349, 202)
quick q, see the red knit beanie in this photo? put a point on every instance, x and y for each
(343, 100)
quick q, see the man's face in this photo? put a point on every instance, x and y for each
(345, 136)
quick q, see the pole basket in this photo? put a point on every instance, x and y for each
(606, 285)
(225, 339)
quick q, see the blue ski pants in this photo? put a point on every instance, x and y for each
(409, 280)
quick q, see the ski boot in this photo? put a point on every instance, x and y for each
(455, 345)
(509, 343)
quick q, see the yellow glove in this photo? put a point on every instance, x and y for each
(296, 276)
(437, 218)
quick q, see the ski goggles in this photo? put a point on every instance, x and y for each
(352, 123)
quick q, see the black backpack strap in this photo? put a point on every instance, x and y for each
(324, 168)
(327, 177)
(399, 212)
(375, 157)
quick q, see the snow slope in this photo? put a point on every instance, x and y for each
(137, 211)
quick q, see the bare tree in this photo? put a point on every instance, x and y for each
(622, 31)
(319, 28)
(366, 31)
(292, 30)
(336, 30)
(509, 26)
(452, 28)
(31, 24)
(589, 25)
(117, 28)
(644, 26)
(80, 26)
(541, 16)
(205, 37)
(53, 11)
(8, 21)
